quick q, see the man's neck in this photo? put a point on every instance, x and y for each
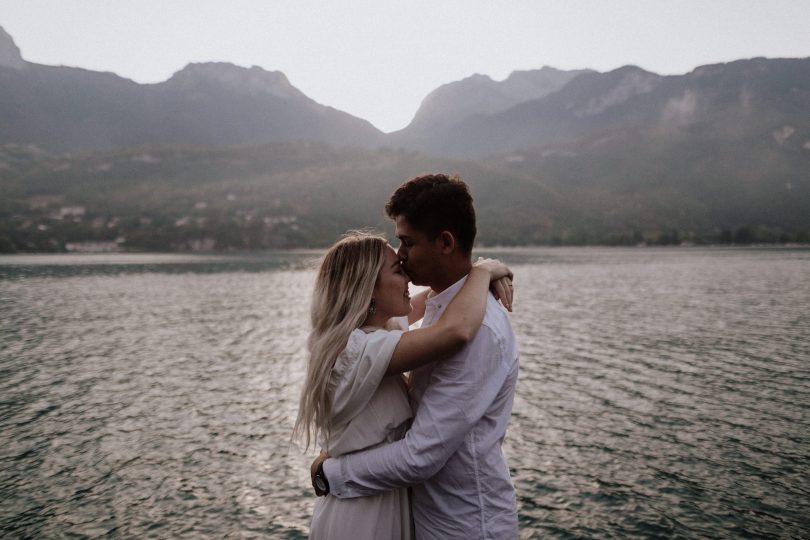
(451, 275)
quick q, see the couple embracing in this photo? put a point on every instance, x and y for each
(417, 455)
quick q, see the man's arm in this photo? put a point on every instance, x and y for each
(461, 390)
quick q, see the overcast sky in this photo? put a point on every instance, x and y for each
(377, 59)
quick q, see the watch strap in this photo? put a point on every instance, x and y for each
(322, 476)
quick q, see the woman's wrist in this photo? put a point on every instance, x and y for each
(482, 270)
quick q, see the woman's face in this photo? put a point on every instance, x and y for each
(391, 296)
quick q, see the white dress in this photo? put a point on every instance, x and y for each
(368, 409)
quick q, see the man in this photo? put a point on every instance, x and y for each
(452, 453)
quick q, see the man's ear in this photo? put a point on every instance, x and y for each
(446, 242)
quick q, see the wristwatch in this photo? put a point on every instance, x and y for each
(321, 484)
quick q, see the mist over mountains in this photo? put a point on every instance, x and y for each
(221, 156)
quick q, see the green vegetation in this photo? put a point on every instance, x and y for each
(291, 195)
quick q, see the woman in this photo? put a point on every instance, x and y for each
(353, 396)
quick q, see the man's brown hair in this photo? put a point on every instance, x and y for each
(434, 203)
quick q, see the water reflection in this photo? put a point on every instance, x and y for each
(662, 393)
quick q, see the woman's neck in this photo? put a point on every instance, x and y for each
(377, 320)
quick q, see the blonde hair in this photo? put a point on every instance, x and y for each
(340, 304)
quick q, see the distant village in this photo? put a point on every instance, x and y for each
(107, 234)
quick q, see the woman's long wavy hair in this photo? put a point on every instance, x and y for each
(340, 304)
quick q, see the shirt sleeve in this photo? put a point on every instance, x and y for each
(461, 390)
(359, 370)
(397, 323)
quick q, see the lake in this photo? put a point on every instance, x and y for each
(662, 393)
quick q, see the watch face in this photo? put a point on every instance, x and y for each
(320, 484)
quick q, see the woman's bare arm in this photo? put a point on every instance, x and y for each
(457, 325)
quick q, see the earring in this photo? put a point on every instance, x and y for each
(372, 309)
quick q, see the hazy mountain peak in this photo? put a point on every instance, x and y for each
(533, 73)
(478, 78)
(212, 103)
(537, 83)
(9, 52)
(253, 80)
(480, 94)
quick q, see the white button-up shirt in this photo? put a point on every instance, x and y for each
(452, 453)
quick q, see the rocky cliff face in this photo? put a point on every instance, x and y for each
(9, 52)
(727, 98)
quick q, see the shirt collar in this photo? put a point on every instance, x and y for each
(440, 300)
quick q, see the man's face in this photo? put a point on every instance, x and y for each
(420, 256)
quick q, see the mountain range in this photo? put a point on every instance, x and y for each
(69, 109)
(627, 156)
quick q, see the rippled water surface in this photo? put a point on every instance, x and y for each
(662, 393)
